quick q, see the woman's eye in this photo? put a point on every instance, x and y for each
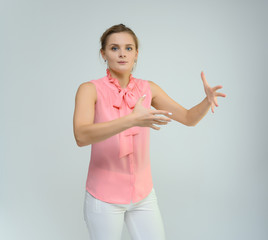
(128, 48)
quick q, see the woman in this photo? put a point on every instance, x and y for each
(114, 114)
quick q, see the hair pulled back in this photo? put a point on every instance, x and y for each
(116, 29)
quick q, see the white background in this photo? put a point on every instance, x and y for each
(210, 180)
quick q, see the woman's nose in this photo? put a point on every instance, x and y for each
(122, 53)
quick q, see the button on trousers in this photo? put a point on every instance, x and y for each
(105, 220)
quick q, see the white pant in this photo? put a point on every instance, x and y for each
(105, 220)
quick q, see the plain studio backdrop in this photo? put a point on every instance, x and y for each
(210, 180)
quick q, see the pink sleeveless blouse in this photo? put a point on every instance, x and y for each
(119, 169)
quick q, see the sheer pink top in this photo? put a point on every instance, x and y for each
(119, 168)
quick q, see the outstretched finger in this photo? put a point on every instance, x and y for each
(204, 78)
(161, 112)
(155, 127)
(216, 88)
(160, 118)
(216, 102)
(220, 94)
(212, 108)
(161, 122)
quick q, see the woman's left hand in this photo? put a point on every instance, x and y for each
(211, 92)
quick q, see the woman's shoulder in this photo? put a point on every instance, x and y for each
(154, 88)
(86, 91)
(141, 81)
(87, 87)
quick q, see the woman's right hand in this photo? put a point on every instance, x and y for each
(147, 117)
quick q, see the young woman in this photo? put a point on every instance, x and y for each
(114, 115)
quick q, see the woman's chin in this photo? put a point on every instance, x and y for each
(121, 69)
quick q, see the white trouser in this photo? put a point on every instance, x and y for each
(105, 220)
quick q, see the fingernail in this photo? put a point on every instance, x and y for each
(170, 113)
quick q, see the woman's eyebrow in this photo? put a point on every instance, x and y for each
(118, 45)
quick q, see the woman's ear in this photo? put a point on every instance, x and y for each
(103, 54)
(137, 53)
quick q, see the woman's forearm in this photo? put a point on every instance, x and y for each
(196, 113)
(92, 133)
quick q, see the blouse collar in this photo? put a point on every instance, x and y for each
(116, 82)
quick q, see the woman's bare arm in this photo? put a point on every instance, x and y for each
(160, 100)
(87, 132)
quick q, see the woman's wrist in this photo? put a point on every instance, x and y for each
(131, 119)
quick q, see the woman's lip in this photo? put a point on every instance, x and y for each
(122, 62)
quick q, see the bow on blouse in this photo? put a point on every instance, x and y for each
(125, 95)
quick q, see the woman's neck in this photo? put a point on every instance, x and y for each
(123, 78)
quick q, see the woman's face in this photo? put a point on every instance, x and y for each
(120, 48)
